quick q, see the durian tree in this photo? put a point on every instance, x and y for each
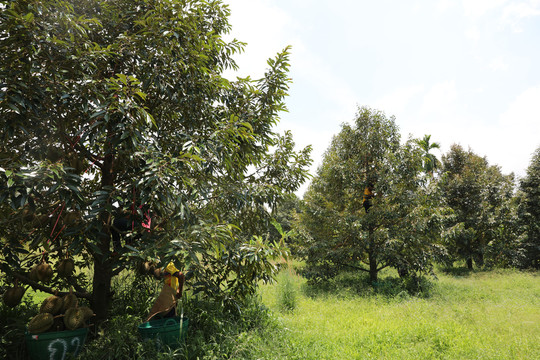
(119, 110)
(529, 213)
(366, 208)
(480, 196)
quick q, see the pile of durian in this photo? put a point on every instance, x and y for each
(60, 313)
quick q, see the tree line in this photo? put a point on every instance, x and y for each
(377, 202)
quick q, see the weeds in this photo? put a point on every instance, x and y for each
(286, 294)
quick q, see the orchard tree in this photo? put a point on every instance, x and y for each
(118, 110)
(480, 195)
(529, 213)
(366, 209)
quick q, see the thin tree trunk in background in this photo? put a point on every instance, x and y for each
(469, 263)
(372, 259)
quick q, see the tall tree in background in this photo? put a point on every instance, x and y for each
(430, 161)
(530, 212)
(365, 163)
(478, 193)
(118, 109)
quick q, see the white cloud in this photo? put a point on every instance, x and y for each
(441, 97)
(521, 10)
(477, 8)
(506, 13)
(397, 101)
(518, 131)
(498, 64)
(264, 28)
(516, 11)
(508, 142)
(444, 5)
(310, 69)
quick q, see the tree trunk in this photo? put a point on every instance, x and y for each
(372, 258)
(101, 292)
(372, 268)
(480, 259)
(403, 272)
(469, 263)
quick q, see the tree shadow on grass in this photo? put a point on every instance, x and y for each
(457, 271)
(348, 284)
(462, 271)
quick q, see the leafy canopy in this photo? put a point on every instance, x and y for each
(118, 109)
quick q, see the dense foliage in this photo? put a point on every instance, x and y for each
(118, 110)
(480, 196)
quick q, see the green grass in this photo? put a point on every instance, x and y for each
(484, 315)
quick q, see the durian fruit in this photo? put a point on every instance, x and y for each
(86, 312)
(54, 154)
(44, 272)
(151, 268)
(141, 267)
(146, 268)
(65, 268)
(157, 273)
(72, 218)
(28, 216)
(12, 297)
(33, 275)
(52, 305)
(75, 318)
(40, 220)
(69, 301)
(40, 323)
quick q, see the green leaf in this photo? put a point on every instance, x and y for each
(141, 94)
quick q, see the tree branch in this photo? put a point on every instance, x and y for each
(382, 267)
(80, 293)
(352, 266)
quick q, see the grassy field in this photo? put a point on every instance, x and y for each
(462, 315)
(479, 315)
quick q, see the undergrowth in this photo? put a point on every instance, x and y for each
(480, 315)
(12, 327)
(216, 330)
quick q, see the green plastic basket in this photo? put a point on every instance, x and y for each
(165, 331)
(55, 345)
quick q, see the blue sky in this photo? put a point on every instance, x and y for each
(466, 72)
